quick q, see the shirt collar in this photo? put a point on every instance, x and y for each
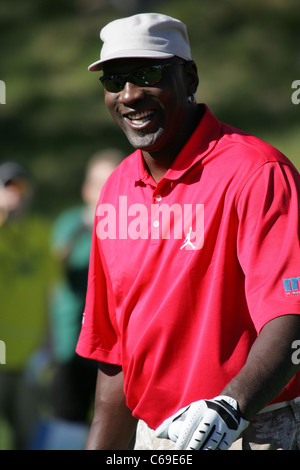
(200, 144)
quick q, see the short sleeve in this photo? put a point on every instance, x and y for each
(99, 338)
(268, 242)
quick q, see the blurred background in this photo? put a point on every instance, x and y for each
(55, 120)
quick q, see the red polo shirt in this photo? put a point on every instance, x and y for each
(185, 272)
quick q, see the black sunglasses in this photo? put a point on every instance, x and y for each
(143, 77)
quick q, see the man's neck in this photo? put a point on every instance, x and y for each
(158, 164)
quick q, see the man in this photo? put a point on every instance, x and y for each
(192, 306)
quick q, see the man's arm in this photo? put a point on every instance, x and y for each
(269, 366)
(216, 423)
(113, 425)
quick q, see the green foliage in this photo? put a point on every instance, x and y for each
(54, 119)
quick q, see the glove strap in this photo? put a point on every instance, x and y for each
(228, 409)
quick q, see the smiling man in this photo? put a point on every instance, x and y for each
(196, 238)
(156, 119)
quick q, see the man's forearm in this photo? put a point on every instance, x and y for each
(113, 425)
(269, 367)
(111, 430)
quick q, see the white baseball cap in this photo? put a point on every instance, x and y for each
(146, 35)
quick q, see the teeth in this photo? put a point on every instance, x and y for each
(141, 115)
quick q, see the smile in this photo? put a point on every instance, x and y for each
(139, 119)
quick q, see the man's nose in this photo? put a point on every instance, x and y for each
(131, 93)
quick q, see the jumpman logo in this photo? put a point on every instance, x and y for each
(187, 241)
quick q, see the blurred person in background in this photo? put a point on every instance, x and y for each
(74, 380)
(15, 191)
(25, 270)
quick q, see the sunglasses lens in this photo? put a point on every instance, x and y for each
(148, 76)
(112, 83)
(144, 77)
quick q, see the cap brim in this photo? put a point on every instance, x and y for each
(130, 55)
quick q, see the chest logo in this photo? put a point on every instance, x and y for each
(187, 241)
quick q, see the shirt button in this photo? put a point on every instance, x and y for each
(158, 198)
(156, 223)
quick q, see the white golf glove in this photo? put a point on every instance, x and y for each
(204, 425)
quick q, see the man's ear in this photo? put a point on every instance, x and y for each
(192, 77)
